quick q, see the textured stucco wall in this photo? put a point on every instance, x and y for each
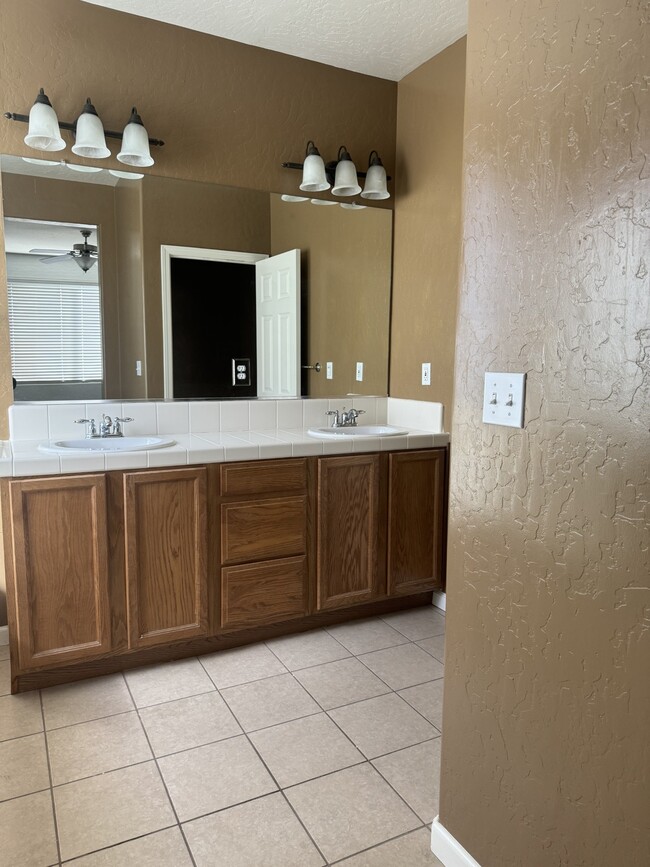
(426, 254)
(545, 758)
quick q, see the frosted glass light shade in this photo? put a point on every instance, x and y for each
(90, 141)
(135, 143)
(43, 132)
(313, 172)
(375, 186)
(346, 182)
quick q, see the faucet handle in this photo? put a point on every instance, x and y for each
(91, 430)
(336, 419)
(117, 425)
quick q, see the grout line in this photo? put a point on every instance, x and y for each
(377, 845)
(162, 779)
(49, 772)
(270, 773)
(115, 845)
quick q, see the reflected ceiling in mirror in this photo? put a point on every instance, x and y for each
(345, 271)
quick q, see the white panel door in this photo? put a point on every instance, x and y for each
(277, 293)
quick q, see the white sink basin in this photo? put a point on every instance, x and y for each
(107, 444)
(361, 430)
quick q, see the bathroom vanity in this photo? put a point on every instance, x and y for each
(111, 570)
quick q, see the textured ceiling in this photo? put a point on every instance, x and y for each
(386, 38)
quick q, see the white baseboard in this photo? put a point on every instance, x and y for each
(439, 600)
(4, 635)
(448, 849)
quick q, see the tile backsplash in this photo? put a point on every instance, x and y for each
(57, 420)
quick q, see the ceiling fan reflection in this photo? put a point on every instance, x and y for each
(85, 254)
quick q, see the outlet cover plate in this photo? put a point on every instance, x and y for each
(359, 371)
(503, 399)
(329, 367)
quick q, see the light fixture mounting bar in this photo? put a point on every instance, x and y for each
(24, 118)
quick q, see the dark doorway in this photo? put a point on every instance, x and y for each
(213, 323)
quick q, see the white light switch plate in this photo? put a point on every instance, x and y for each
(329, 368)
(359, 371)
(503, 399)
(426, 373)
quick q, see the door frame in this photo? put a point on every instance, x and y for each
(167, 253)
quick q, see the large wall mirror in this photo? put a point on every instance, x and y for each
(103, 305)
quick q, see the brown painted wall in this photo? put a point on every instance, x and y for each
(229, 113)
(130, 287)
(428, 227)
(346, 268)
(547, 705)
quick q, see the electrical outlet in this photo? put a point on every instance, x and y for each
(329, 370)
(426, 373)
(359, 371)
(503, 399)
(241, 371)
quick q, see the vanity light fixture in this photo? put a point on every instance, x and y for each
(314, 179)
(44, 133)
(375, 186)
(90, 141)
(345, 179)
(341, 175)
(135, 143)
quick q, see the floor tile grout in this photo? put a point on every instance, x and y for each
(364, 760)
(49, 771)
(162, 778)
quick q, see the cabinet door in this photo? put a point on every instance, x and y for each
(60, 567)
(416, 509)
(351, 568)
(166, 555)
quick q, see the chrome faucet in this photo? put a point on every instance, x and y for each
(109, 427)
(345, 418)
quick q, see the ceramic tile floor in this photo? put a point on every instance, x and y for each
(320, 748)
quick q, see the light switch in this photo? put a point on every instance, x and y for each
(359, 371)
(426, 373)
(329, 368)
(503, 399)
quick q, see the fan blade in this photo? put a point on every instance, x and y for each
(50, 260)
(48, 252)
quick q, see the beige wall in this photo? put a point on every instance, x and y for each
(428, 227)
(346, 274)
(229, 113)
(546, 705)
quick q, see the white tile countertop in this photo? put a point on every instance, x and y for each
(210, 432)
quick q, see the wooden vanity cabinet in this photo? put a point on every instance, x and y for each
(106, 571)
(56, 549)
(265, 539)
(417, 508)
(351, 560)
(166, 555)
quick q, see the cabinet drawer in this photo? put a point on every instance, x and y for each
(263, 529)
(264, 592)
(263, 477)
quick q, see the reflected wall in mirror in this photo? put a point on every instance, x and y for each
(345, 264)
